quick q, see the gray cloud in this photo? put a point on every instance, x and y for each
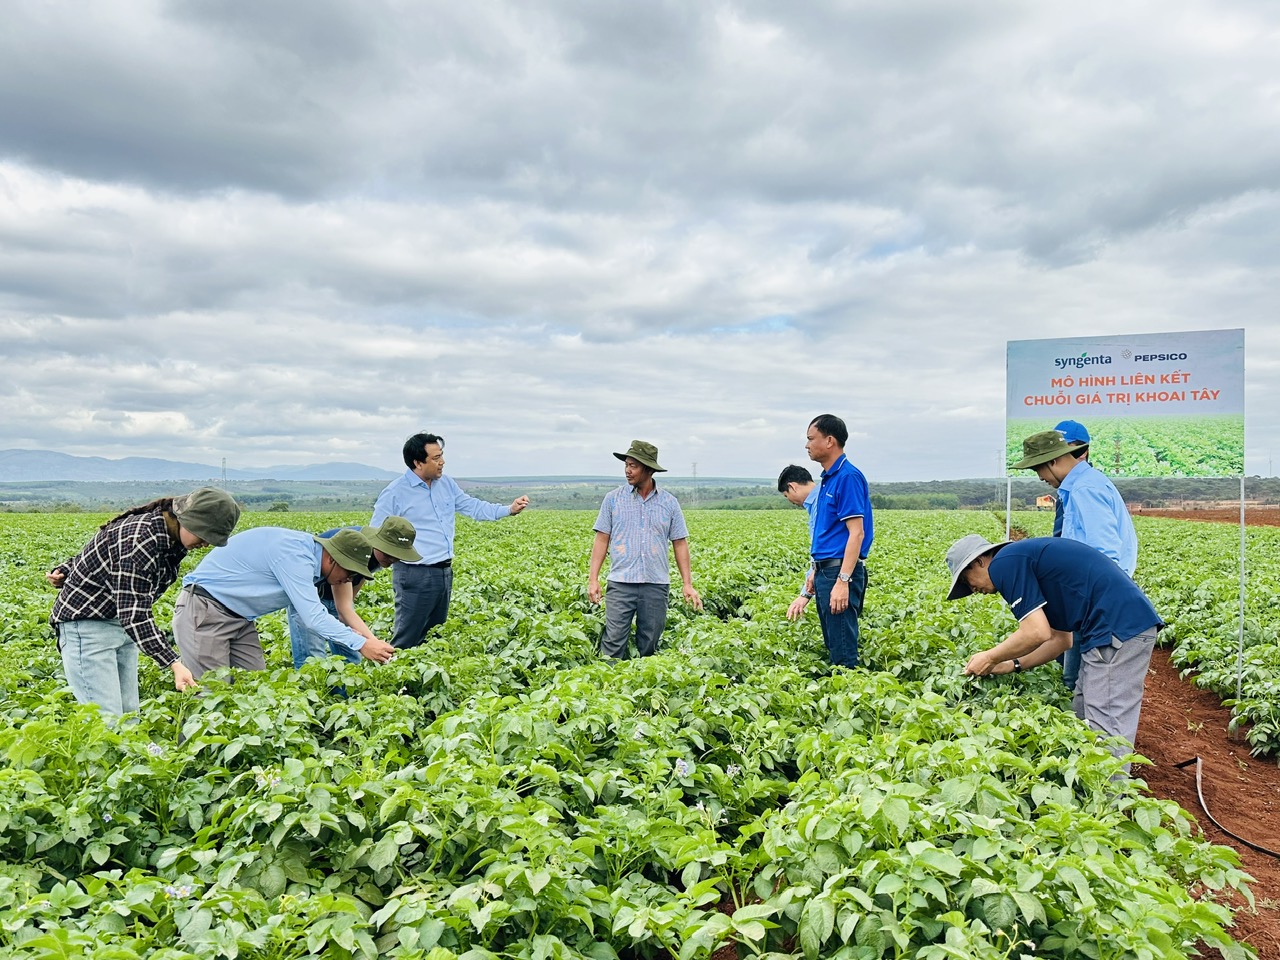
(547, 229)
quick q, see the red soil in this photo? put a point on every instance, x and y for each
(1254, 516)
(1180, 722)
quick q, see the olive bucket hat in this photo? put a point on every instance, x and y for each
(209, 513)
(645, 453)
(962, 553)
(1041, 448)
(349, 550)
(394, 538)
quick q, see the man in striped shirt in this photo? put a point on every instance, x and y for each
(634, 526)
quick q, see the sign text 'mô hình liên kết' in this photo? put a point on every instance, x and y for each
(1155, 405)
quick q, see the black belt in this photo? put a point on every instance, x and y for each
(200, 591)
(833, 562)
(440, 564)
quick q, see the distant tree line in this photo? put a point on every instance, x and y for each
(747, 494)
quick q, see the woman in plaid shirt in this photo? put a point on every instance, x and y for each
(103, 614)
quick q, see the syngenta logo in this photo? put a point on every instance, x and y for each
(1080, 362)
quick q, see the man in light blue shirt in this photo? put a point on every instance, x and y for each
(1093, 512)
(260, 571)
(634, 526)
(429, 500)
(796, 484)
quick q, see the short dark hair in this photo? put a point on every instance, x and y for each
(415, 448)
(829, 425)
(793, 474)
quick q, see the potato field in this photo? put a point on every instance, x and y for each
(502, 792)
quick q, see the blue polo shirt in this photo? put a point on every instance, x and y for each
(1079, 589)
(842, 495)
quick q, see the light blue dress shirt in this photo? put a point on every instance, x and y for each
(1093, 512)
(640, 530)
(431, 508)
(811, 508)
(265, 569)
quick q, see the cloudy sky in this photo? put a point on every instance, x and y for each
(293, 232)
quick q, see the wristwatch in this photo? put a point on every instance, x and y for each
(807, 594)
(1017, 665)
(844, 577)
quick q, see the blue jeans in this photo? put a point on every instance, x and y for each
(101, 663)
(422, 601)
(840, 630)
(646, 604)
(307, 645)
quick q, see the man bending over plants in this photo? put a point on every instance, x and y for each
(261, 571)
(1060, 589)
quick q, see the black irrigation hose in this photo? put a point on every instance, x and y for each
(1205, 807)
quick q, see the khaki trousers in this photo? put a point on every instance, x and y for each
(211, 636)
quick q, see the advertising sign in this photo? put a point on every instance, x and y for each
(1155, 405)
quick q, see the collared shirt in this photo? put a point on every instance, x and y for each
(1093, 512)
(431, 508)
(1079, 589)
(811, 510)
(639, 530)
(120, 574)
(265, 569)
(842, 495)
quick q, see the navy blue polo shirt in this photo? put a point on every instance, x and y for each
(842, 496)
(1080, 590)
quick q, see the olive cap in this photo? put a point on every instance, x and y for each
(209, 513)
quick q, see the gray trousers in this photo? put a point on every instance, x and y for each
(211, 636)
(1108, 694)
(422, 601)
(646, 604)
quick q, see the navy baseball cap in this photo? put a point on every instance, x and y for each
(1073, 432)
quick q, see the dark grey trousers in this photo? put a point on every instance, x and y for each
(422, 601)
(646, 604)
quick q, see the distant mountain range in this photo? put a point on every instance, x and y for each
(26, 466)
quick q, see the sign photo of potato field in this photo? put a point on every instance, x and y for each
(1154, 405)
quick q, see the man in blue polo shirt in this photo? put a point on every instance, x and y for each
(841, 540)
(1063, 591)
(634, 526)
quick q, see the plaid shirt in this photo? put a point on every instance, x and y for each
(119, 575)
